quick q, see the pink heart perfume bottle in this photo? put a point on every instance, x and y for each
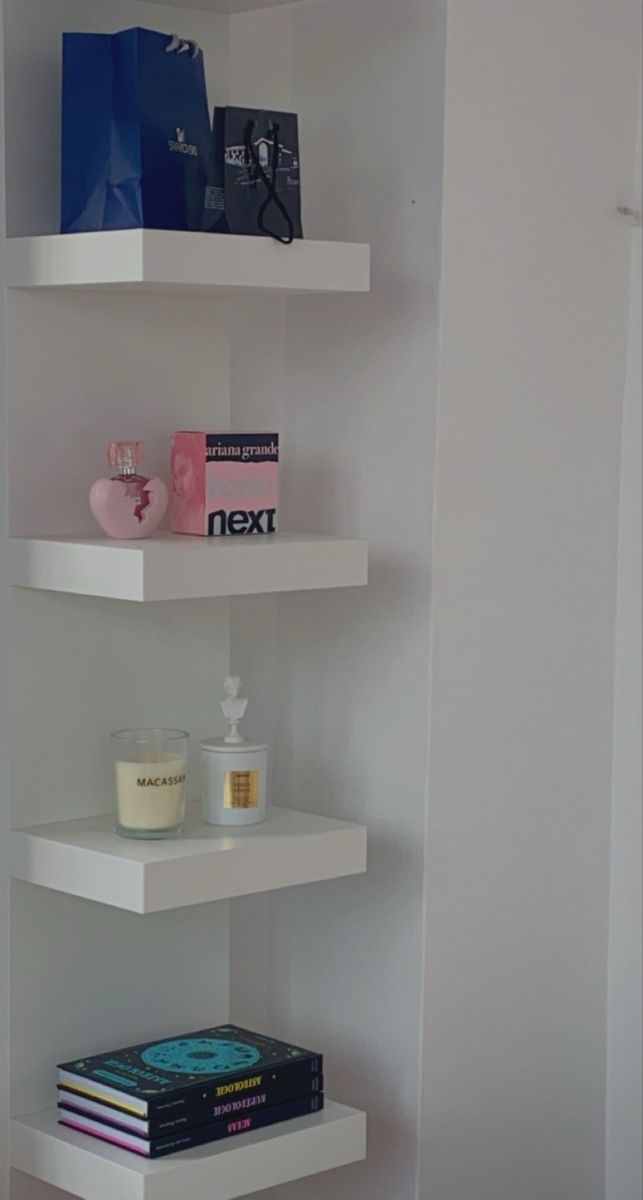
(128, 505)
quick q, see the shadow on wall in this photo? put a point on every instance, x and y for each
(312, 944)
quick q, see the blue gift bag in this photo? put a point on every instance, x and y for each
(136, 132)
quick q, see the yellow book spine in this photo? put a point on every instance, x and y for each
(94, 1094)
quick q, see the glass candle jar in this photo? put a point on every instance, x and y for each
(150, 767)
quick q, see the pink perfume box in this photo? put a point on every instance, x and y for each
(224, 483)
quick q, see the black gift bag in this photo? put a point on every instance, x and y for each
(253, 174)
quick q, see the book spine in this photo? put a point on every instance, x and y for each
(181, 1122)
(239, 1085)
(242, 1124)
(235, 1106)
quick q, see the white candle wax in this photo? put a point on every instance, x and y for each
(150, 792)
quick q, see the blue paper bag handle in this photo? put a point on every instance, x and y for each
(177, 45)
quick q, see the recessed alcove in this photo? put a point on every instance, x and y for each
(330, 347)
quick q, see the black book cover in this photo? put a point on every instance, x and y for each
(188, 1071)
(162, 1125)
(201, 1136)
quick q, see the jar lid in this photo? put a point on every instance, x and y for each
(220, 746)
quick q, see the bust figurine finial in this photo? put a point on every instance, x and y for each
(233, 708)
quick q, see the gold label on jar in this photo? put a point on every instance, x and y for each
(241, 789)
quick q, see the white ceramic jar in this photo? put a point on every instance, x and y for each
(234, 782)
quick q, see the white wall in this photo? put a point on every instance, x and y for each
(540, 126)
(624, 1165)
(82, 370)
(339, 966)
(4, 710)
(540, 113)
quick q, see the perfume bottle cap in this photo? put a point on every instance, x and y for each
(126, 456)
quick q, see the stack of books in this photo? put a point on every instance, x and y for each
(162, 1097)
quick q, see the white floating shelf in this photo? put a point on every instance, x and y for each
(211, 862)
(150, 260)
(247, 1163)
(173, 567)
(227, 6)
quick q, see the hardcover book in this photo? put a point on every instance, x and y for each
(185, 1072)
(166, 1123)
(200, 1136)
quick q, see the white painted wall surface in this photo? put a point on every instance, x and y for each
(540, 127)
(624, 1166)
(347, 702)
(4, 699)
(539, 134)
(81, 370)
